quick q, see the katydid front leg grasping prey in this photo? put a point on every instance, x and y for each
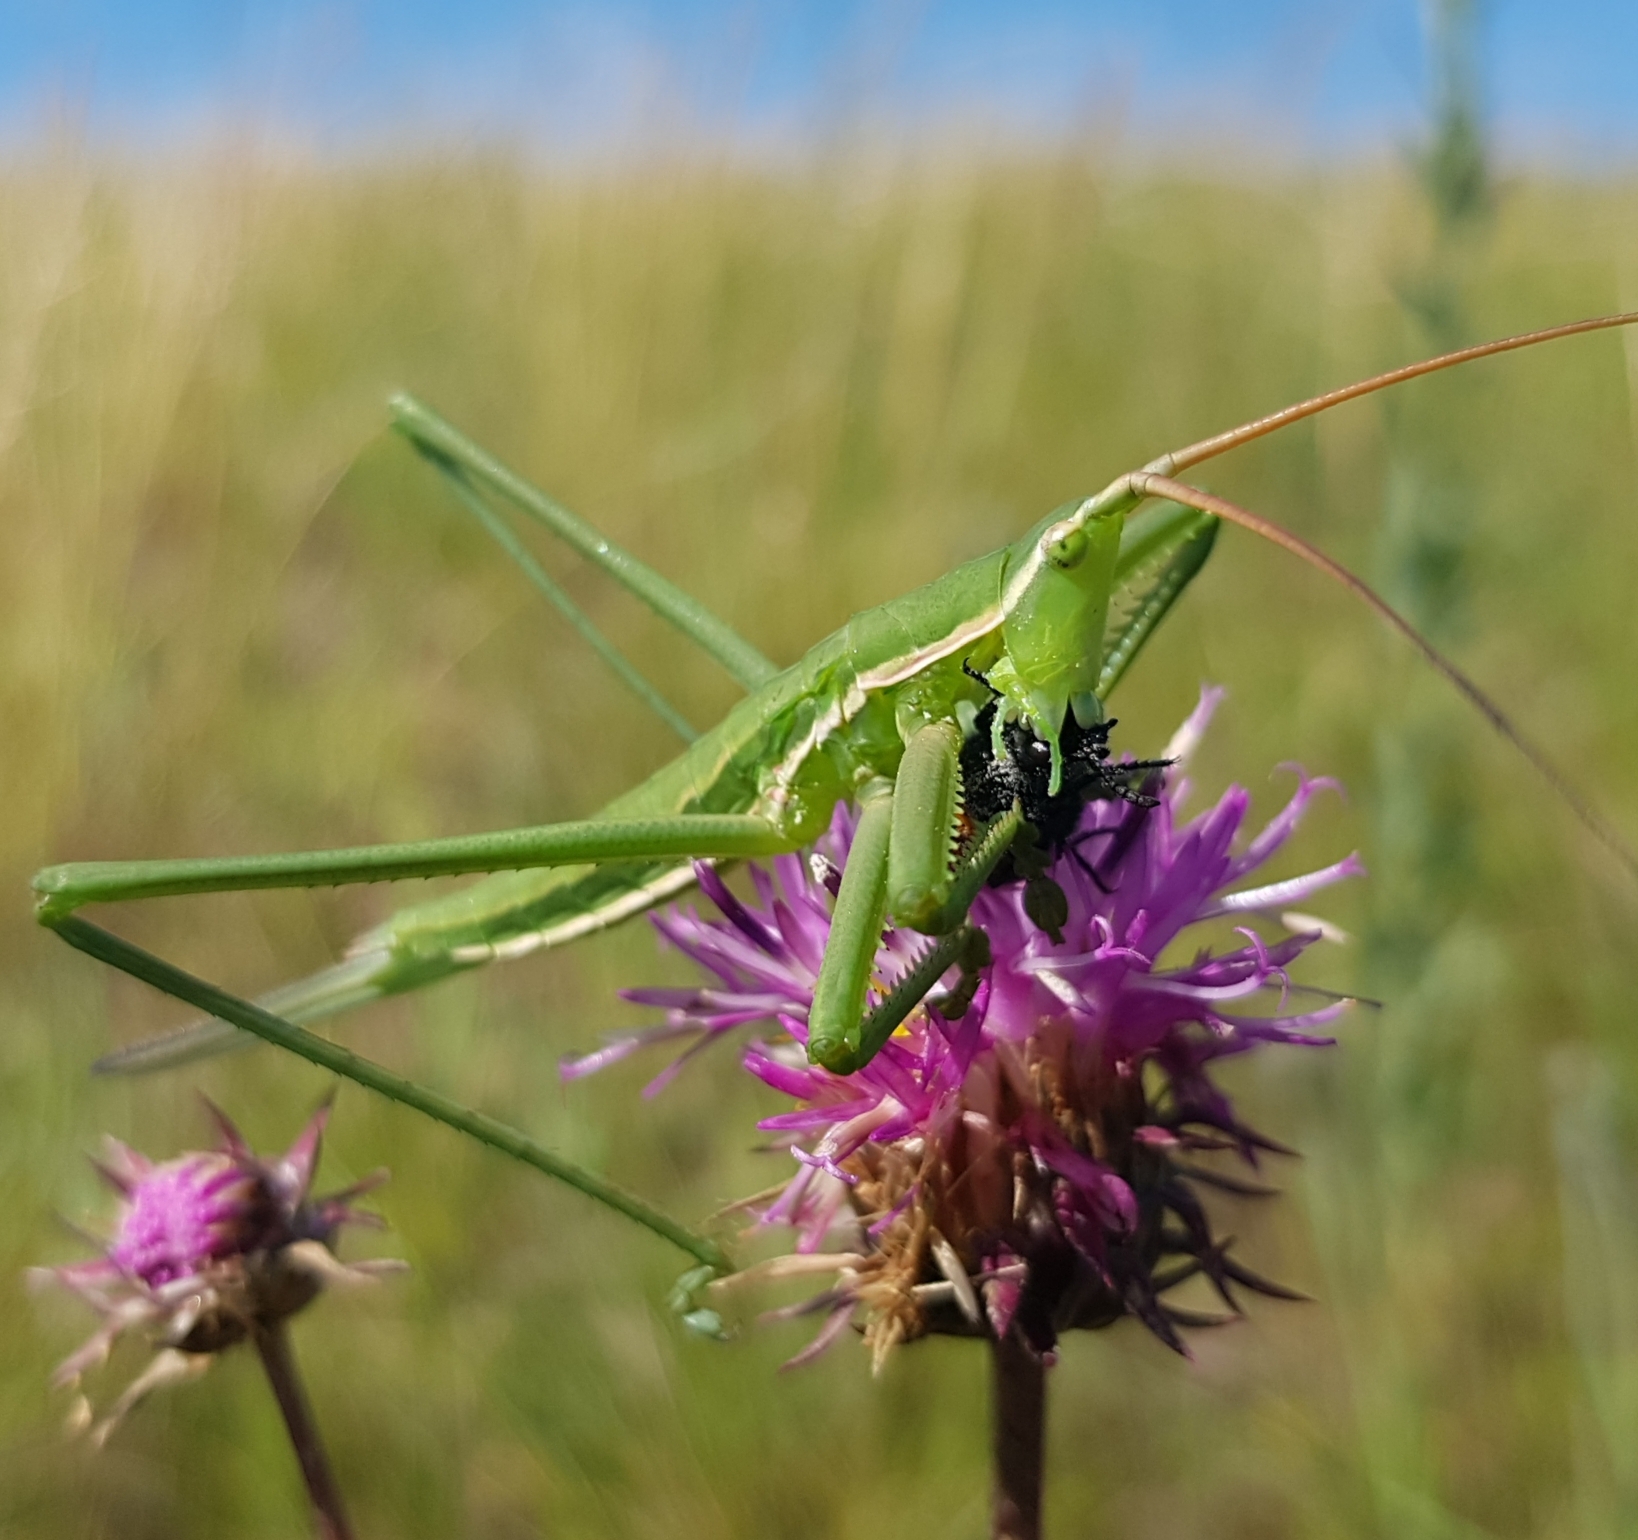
(1032, 639)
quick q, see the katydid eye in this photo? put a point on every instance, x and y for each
(1064, 546)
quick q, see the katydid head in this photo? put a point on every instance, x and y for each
(1055, 604)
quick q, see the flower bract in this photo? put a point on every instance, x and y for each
(207, 1248)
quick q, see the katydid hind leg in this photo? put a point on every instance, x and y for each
(243, 1016)
(352, 982)
(503, 535)
(679, 836)
(508, 915)
(431, 434)
(386, 962)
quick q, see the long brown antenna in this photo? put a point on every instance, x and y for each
(1208, 448)
(1151, 485)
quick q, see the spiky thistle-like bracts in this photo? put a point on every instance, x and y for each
(206, 1248)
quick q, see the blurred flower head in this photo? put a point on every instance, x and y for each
(1034, 1165)
(206, 1249)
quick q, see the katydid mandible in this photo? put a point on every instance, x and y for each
(876, 714)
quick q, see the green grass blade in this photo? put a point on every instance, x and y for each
(165, 977)
(503, 536)
(428, 431)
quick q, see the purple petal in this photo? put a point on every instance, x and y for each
(1280, 895)
(829, 1334)
(737, 915)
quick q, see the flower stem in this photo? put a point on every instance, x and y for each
(1017, 1428)
(330, 1518)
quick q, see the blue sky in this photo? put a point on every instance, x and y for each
(1307, 78)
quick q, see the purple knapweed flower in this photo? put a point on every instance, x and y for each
(1030, 1166)
(206, 1249)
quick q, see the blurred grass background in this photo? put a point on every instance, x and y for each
(235, 616)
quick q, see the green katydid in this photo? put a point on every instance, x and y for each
(875, 714)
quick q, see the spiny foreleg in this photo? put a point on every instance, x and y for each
(900, 866)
